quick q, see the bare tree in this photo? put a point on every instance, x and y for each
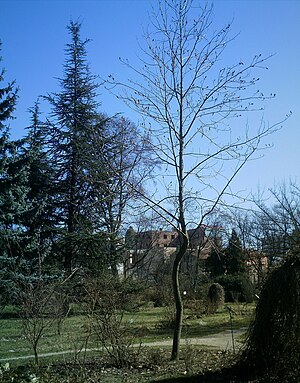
(280, 223)
(195, 103)
(118, 166)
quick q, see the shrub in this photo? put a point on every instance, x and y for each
(158, 296)
(168, 319)
(107, 299)
(238, 287)
(215, 297)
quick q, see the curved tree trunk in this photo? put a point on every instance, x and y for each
(178, 298)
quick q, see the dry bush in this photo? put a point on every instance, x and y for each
(106, 301)
(41, 306)
(168, 319)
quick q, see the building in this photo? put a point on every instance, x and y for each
(149, 250)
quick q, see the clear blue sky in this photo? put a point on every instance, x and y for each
(33, 34)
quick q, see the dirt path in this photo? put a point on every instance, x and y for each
(222, 341)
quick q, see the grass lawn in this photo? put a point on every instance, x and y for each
(197, 363)
(145, 324)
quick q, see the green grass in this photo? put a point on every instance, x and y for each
(144, 324)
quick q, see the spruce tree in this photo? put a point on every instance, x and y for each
(70, 130)
(94, 159)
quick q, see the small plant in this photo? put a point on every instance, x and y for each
(4, 369)
(155, 358)
(231, 312)
(168, 319)
(189, 358)
(18, 375)
(41, 305)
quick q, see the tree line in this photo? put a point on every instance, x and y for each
(64, 186)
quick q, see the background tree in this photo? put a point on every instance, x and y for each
(14, 205)
(280, 222)
(215, 263)
(190, 94)
(125, 162)
(40, 221)
(270, 229)
(249, 230)
(235, 258)
(94, 158)
(236, 281)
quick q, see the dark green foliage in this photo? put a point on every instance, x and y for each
(131, 239)
(235, 260)
(215, 263)
(238, 287)
(273, 344)
(8, 97)
(66, 185)
(95, 160)
(236, 280)
(14, 205)
(40, 221)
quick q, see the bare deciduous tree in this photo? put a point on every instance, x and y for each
(195, 103)
(280, 223)
(118, 166)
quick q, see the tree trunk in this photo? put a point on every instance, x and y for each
(178, 298)
(36, 355)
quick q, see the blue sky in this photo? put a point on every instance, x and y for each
(33, 35)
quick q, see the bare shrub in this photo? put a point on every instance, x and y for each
(168, 319)
(42, 304)
(106, 304)
(36, 312)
